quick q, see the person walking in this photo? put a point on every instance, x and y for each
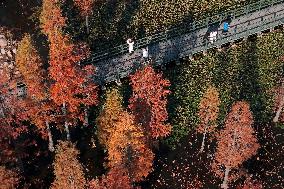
(226, 27)
(211, 39)
(130, 43)
(145, 53)
(215, 35)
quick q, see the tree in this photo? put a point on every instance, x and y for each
(8, 179)
(73, 85)
(42, 113)
(251, 184)
(116, 178)
(12, 112)
(127, 146)
(148, 102)
(30, 66)
(208, 113)
(51, 18)
(85, 7)
(236, 142)
(67, 169)
(123, 139)
(40, 106)
(109, 115)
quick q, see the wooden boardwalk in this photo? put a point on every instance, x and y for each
(183, 42)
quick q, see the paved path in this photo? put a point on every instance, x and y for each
(183, 42)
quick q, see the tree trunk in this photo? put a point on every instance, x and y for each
(203, 140)
(66, 123)
(225, 181)
(67, 130)
(275, 119)
(87, 24)
(86, 121)
(50, 141)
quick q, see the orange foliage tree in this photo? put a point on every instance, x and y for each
(109, 115)
(30, 65)
(208, 113)
(116, 178)
(51, 18)
(236, 142)
(127, 145)
(8, 179)
(149, 100)
(85, 7)
(123, 139)
(72, 85)
(67, 169)
(40, 106)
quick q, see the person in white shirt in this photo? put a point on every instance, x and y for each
(145, 53)
(215, 35)
(130, 42)
(211, 37)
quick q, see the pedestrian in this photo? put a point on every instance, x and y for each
(130, 43)
(226, 27)
(215, 35)
(211, 37)
(145, 53)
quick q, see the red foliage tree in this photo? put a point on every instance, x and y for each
(12, 112)
(251, 184)
(236, 143)
(85, 7)
(72, 85)
(116, 178)
(149, 100)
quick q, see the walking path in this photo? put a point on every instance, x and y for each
(184, 41)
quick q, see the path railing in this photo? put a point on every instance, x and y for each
(196, 25)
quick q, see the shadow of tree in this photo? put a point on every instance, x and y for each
(109, 23)
(248, 79)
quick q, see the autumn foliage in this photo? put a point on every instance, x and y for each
(127, 146)
(8, 179)
(149, 100)
(51, 18)
(109, 115)
(236, 142)
(208, 112)
(251, 184)
(72, 85)
(67, 169)
(85, 6)
(116, 178)
(123, 139)
(12, 112)
(30, 65)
